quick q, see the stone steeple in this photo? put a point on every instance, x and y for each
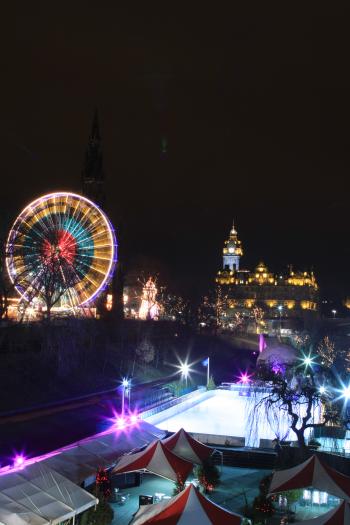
(93, 175)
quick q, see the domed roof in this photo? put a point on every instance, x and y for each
(261, 267)
(276, 351)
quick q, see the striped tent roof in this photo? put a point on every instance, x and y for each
(312, 473)
(185, 446)
(189, 507)
(340, 515)
(158, 459)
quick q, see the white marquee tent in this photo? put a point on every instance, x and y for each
(46, 491)
(37, 495)
(82, 460)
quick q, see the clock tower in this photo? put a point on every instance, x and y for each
(232, 251)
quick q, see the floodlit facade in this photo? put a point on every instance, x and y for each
(149, 308)
(285, 295)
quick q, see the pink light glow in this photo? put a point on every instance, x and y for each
(262, 343)
(123, 422)
(244, 378)
(6, 469)
(120, 422)
(19, 461)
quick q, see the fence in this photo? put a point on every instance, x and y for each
(184, 401)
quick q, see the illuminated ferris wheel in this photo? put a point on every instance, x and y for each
(61, 251)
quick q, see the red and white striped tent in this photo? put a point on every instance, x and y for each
(158, 459)
(189, 507)
(185, 446)
(340, 515)
(312, 473)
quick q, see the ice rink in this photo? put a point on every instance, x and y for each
(227, 413)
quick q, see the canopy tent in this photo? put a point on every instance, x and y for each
(340, 515)
(81, 460)
(37, 495)
(43, 489)
(158, 459)
(185, 446)
(187, 508)
(312, 473)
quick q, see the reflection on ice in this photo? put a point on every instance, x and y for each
(229, 413)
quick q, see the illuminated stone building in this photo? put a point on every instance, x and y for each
(284, 295)
(232, 251)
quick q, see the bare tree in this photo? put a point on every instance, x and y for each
(146, 351)
(48, 276)
(173, 307)
(347, 361)
(295, 393)
(7, 285)
(258, 316)
(326, 351)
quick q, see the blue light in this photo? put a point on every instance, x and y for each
(346, 392)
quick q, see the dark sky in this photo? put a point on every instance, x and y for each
(254, 108)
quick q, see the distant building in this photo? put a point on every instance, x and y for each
(149, 307)
(92, 177)
(284, 295)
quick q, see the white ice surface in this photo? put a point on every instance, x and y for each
(226, 414)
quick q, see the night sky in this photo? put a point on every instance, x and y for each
(205, 116)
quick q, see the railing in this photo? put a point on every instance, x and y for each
(336, 451)
(173, 402)
(236, 387)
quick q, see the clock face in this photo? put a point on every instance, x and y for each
(231, 250)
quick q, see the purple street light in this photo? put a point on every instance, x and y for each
(134, 418)
(121, 422)
(19, 461)
(126, 387)
(244, 378)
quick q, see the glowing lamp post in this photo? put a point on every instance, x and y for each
(280, 309)
(334, 312)
(307, 361)
(346, 392)
(19, 461)
(185, 370)
(134, 418)
(126, 386)
(244, 379)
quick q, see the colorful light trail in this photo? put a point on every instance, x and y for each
(61, 245)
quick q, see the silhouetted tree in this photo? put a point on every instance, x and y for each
(295, 391)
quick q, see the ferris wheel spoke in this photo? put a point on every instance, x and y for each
(90, 228)
(61, 249)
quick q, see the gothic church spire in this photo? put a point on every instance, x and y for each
(93, 175)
